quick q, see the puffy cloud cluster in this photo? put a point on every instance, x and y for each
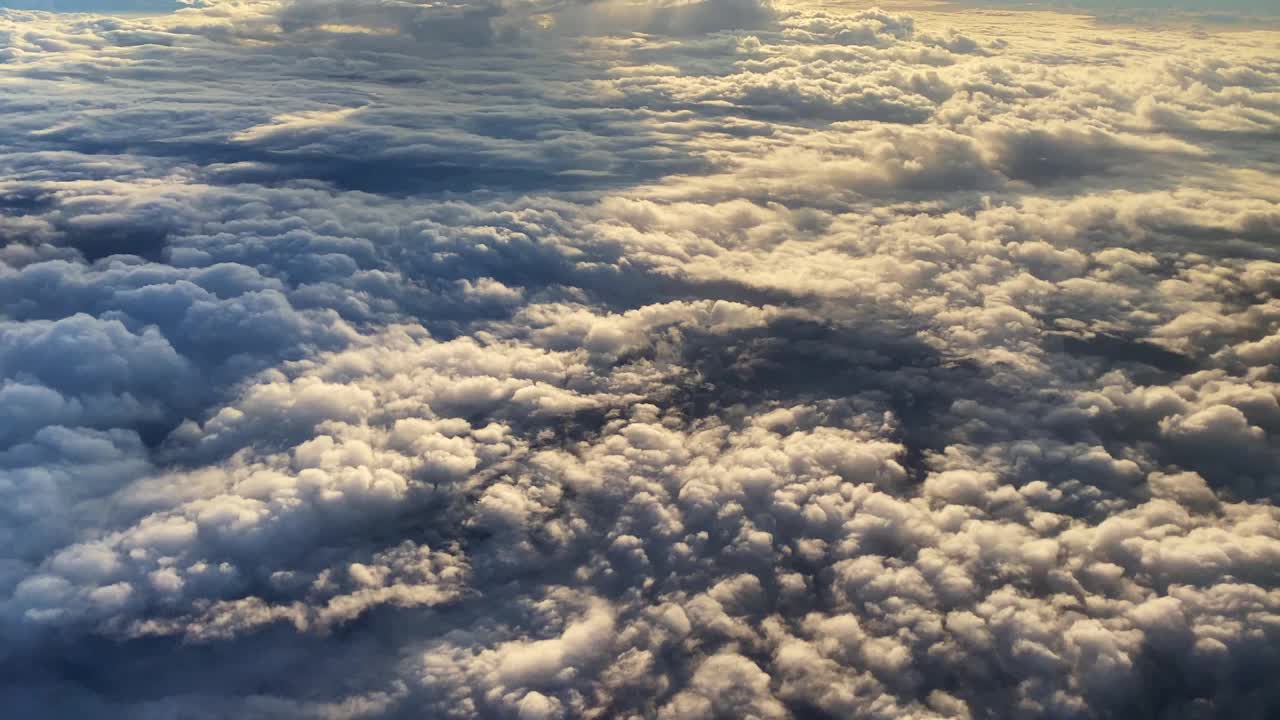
(721, 359)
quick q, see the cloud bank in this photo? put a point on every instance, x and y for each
(723, 359)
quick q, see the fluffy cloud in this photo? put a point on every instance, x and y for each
(681, 360)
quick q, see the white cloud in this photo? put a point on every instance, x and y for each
(716, 359)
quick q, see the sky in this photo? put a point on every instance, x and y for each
(722, 359)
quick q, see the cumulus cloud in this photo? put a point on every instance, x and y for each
(707, 359)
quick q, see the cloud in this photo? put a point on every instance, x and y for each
(612, 359)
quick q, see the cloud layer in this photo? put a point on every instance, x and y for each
(636, 360)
